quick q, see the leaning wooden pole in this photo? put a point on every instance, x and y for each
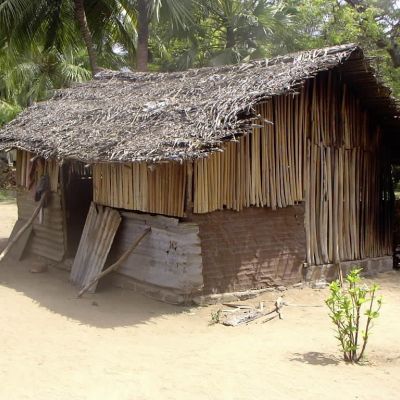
(114, 266)
(24, 228)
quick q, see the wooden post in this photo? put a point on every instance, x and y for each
(24, 228)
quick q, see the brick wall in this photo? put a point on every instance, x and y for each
(251, 249)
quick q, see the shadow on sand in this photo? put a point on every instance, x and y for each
(3, 243)
(316, 358)
(109, 307)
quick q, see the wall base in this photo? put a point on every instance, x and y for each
(328, 272)
(317, 276)
(166, 295)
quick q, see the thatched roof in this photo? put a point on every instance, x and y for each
(121, 116)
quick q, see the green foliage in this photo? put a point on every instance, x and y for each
(215, 317)
(221, 32)
(41, 48)
(6, 196)
(35, 74)
(8, 112)
(351, 309)
(374, 24)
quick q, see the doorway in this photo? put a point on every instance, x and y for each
(77, 184)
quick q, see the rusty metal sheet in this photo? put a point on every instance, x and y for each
(48, 237)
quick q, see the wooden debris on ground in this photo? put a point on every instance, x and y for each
(39, 270)
(243, 314)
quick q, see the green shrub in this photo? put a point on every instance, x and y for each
(215, 317)
(352, 307)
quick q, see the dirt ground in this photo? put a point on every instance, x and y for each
(119, 345)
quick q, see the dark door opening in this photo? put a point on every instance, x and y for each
(396, 215)
(78, 194)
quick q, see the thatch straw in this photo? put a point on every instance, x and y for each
(125, 116)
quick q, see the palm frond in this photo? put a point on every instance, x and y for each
(8, 111)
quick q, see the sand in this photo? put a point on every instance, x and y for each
(119, 345)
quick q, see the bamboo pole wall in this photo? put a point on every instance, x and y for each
(323, 149)
(157, 189)
(347, 181)
(262, 169)
(29, 172)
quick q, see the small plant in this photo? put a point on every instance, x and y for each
(215, 317)
(347, 305)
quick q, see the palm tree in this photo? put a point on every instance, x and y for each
(80, 16)
(56, 23)
(242, 27)
(35, 74)
(57, 20)
(176, 12)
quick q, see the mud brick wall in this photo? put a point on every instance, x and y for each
(251, 249)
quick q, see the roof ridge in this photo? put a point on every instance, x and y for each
(310, 54)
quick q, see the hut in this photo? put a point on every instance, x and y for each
(250, 176)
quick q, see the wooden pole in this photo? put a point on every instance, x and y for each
(24, 228)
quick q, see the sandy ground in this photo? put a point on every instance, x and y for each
(120, 345)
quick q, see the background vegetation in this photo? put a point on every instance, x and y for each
(48, 44)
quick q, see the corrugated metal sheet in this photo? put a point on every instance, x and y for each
(97, 237)
(169, 257)
(252, 249)
(48, 238)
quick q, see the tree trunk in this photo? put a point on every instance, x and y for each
(142, 51)
(86, 35)
(394, 52)
(230, 37)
